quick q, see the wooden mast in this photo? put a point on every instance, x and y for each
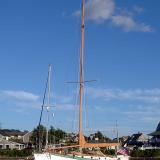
(81, 137)
(82, 142)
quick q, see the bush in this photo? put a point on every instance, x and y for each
(15, 153)
(109, 152)
(146, 153)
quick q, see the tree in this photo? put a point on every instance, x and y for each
(52, 137)
(60, 134)
(99, 135)
(39, 136)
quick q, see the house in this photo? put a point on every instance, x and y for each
(4, 135)
(121, 140)
(12, 134)
(4, 144)
(155, 140)
(71, 137)
(138, 140)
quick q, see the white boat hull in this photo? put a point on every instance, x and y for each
(48, 156)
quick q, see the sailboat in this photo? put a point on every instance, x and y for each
(47, 153)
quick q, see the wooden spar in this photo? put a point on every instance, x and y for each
(64, 147)
(81, 137)
(100, 145)
(87, 145)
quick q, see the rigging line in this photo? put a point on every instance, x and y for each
(75, 108)
(77, 92)
(53, 141)
(73, 56)
(77, 95)
(77, 87)
(77, 98)
(43, 102)
(85, 110)
(44, 96)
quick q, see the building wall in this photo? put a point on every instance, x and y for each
(4, 144)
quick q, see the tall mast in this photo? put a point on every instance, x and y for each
(82, 142)
(49, 105)
(81, 77)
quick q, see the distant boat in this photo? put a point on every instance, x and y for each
(48, 153)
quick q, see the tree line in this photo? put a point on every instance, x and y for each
(56, 136)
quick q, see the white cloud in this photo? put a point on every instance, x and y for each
(99, 9)
(138, 9)
(129, 24)
(140, 95)
(106, 10)
(144, 113)
(64, 99)
(19, 101)
(20, 95)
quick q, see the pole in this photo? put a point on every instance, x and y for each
(81, 78)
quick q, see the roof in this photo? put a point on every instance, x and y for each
(136, 139)
(28, 133)
(158, 127)
(136, 136)
(156, 132)
(3, 133)
(7, 132)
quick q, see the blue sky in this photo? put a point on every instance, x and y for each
(121, 53)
